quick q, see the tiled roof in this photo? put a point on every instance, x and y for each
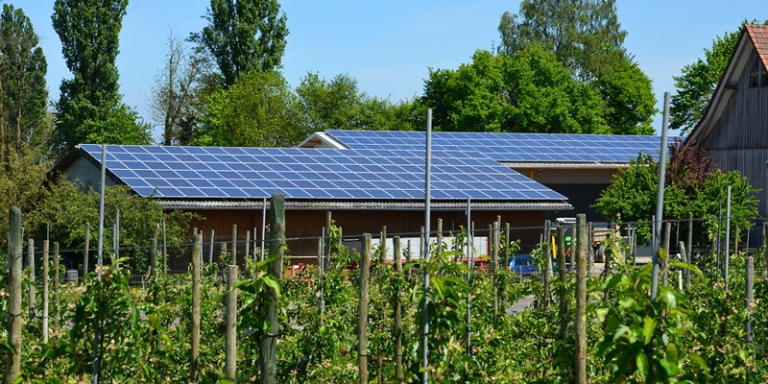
(759, 36)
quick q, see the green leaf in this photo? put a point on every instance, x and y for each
(642, 365)
(687, 266)
(649, 326)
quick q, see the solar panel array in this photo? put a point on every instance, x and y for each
(512, 147)
(321, 174)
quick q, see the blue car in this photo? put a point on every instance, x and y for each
(523, 265)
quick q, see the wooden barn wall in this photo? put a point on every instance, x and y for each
(303, 227)
(739, 140)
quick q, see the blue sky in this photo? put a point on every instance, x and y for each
(389, 46)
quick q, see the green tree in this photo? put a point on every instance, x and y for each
(333, 104)
(339, 104)
(528, 92)
(699, 79)
(584, 34)
(23, 91)
(587, 38)
(89, 32)
(259, 110)
(244, 36)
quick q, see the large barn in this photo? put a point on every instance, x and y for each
(578, 166)
(364, 188)
(734, 126)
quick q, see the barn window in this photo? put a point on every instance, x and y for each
(757, 75)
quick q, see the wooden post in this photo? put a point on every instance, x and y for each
(383, 244)
(13, 317)
(153, 251)
(750, 285)
(765, 250)
(327, 247)
(268, 336)
(736, 241)
(31, 266)
(56, 287)
(547, 265)
(573, 248)
(362, 335)
(234, 244)
(87, 249)
(231, 331)
(492, 261)
(689, 249)
(561, 273)
(321, 276)
(165, 249)
(408, 259)
(590, 248)
(196, 255)
(581, 302)
(398, 332)
(507, 242)
(247, 245)
(439, 238)
(45, 291)
(496, 235)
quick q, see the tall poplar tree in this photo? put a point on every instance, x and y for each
(23, 90)
(244, 36)
(90, 107)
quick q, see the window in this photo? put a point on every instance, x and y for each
(757, 74)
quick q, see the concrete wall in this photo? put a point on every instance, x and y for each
(84, 174)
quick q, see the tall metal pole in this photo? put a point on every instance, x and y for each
(263, 226)
(727, 233)
(660, 198)
(427, 196)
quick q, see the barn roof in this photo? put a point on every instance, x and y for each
(512, 149)
(752, 38)
(234, 177)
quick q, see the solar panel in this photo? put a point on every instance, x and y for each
(511, 147)
(359, 174)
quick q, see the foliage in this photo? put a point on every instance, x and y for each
(586, 37)
(258, 111)
(244, 36)
(339, 104)
(528, 92)
(89, 107)
(693, 185)
(584, 34)
(22, 184)
(699, 79)
(23, 90)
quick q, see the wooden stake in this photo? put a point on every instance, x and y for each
(398, 331)
(750, 286)
(547, 265)
(247, 245)
(686, 255)
(153, 251)
(439, 237)
(87, 249)
(196, 254)
(13, 317)
(45, 291)
(689, 249)
(321, 275)
(31, 266)
(581, 302)
(362, 335)
(231, 330)
(234, 244)
(496, 235)
(165, 248)
(408, 259)
(56, 287)
(383, 243)
(507, 242)
(561, 273)
(268, 336)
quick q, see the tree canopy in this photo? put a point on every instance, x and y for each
(89, 31)
(244, 36)
(23, 90)
(699, 79)
(528, 92)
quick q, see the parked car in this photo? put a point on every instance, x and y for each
(523, 265)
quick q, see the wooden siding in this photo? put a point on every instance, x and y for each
(739, 140)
